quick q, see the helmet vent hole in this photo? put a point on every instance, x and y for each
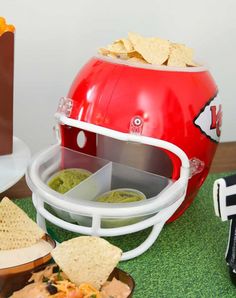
(81, 139)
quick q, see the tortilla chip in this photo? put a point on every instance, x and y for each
(127, 44)
(180, 56)
(135, 54)
(103, 51)
(117, 47)
(153, 50)
(137, 60)
(188, 55)
(123, 56)
(176, 57)
(112, 56)
(87, 259)
(17, 230)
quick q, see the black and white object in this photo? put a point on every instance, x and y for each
(224, 194)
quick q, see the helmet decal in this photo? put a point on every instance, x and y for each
(209, 120)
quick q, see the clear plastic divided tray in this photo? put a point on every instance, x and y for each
(78, 210)
(105, 176)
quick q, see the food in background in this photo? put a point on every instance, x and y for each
(17, 230)
(84, 265)
(121, 196)
(21, 239)
(4, 27)
(151, 50)
(65, 180)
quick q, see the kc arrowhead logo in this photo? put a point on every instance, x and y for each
(209, 120)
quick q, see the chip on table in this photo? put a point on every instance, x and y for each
(17, 230)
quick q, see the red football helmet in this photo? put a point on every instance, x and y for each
(153, 129)
(180, 106)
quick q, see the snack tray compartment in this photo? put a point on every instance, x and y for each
(105, 176)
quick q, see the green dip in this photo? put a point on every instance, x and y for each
(65, 180)
(121, 196)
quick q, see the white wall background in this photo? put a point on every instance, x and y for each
(54, 38)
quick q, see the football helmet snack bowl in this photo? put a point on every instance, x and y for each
(151, 128)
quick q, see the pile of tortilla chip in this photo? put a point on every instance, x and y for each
(150, 50)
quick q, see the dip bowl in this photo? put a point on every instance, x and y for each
(16, 277)
(125, 278)
(116, 273)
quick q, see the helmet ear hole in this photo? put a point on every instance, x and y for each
(81, 139)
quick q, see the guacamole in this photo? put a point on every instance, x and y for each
(65, 180)
(121, 196)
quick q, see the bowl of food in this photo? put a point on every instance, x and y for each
(84, 267)
(120, 195)
(64, 180)
(23, 247)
